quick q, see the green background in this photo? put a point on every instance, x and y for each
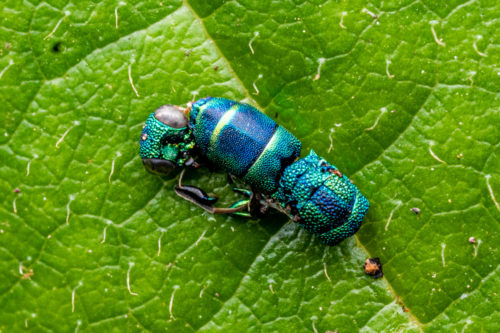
(406, 104)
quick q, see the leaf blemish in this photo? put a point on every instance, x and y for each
(171, 305)
(439, 41)
(108, 223)
(159, 243)
(443, 246)
(255, 86)
(471, 77)
(116, 13)
(479, 52)
(57, 47)
(131, 80)
(104, 235)
(66, 13)
(390, 215)
(62, 137)
(168, 266)
(78, 324)
(389, 75)
(73, 293)
(341, 23)
(434, 155)
(202, 291)
(321, 61)
(490, 189)
(112, 171)
(373, 15)
(313, 326)
(255, 35)
(482, 54)
(194, 93)
(382, 111)
(476, 247)
(130, 265)
(28, 168)
(68, 210)
(373, 267)
(11, 62)
(326, 272)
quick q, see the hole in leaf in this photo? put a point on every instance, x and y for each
(57, 47)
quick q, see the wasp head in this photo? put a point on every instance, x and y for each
(166, 140)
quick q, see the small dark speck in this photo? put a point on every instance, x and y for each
(216, 68)
(57, 47)
(16, 190)
(276, 115)
(416, 211)
(187, 53)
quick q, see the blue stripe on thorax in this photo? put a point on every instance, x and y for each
(236, 144)
(205, 115)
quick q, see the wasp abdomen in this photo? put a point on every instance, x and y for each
(322, 199)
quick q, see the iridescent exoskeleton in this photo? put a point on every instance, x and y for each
(247, 144)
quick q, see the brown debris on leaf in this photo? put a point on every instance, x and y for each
(373, 267)
(28, 274)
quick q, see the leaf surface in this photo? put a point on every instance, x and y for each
(402, 96)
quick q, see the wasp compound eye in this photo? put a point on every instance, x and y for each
(171, 115)
(159, 166)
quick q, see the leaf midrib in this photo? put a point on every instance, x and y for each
(248, 95)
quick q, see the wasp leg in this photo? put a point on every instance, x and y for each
(243, 191)
(202, 199)
(242, 204)
(256, 203)
(194, 164)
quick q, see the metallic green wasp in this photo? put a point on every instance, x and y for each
(247, 144)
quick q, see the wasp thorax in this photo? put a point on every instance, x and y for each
(172, 116)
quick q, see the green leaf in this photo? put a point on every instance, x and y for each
(402, 96)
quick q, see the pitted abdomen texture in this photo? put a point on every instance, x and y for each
(322, 200)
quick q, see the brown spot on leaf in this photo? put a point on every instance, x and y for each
(28, 274)
(373, 267)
